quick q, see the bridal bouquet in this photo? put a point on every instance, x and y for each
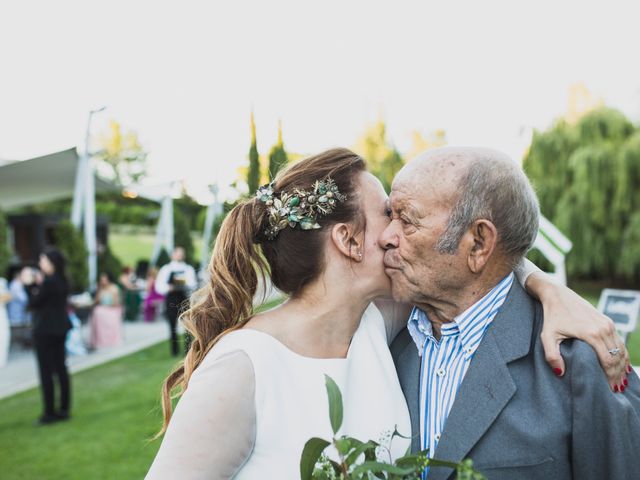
(358, 460)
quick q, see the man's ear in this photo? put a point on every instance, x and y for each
(346, 242)
(481, 240)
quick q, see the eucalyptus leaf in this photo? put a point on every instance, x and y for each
(335, 403)
(343, 445)
(379, 467)
(310, 455)
(360, 449)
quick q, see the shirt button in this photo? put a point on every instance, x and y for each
(437, 437)
(469, 350)
(441, 372)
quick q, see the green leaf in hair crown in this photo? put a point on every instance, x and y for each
(299, 208)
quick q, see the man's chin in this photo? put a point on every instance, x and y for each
(399, 292)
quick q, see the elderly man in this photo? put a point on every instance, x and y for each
(470, 361)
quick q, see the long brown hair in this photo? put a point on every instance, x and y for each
(241, 253)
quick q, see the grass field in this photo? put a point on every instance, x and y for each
(130, 248)
(116, 410)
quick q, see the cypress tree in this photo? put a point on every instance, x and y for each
(71, 243)
(278, 156)
(253, 176)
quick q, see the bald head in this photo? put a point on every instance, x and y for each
(477, 183)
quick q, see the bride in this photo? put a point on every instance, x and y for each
(252, 386)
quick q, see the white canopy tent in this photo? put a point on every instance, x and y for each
(54, 177)
(163, 194)
(42, 179)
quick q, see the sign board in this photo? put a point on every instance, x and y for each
(621, 306)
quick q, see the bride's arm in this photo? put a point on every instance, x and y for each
(212, 431)
(567, 315)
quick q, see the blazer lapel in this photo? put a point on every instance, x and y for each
(488, 385)
(412, 393)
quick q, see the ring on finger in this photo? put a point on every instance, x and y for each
(614, 352)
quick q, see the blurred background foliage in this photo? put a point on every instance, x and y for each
(587, 176)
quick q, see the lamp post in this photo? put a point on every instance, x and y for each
(84, 202)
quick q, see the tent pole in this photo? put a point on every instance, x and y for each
(90, 232)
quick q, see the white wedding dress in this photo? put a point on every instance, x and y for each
(253, 403)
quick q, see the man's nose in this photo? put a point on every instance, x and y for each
(389, 237)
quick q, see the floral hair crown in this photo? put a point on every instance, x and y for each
(300, 208)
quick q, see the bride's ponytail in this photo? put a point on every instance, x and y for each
(226, 302)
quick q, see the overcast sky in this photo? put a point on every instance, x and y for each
(185, 75)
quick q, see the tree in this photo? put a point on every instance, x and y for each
(383, 159)
(122, 154)
(420, 143)
(587, 177)
(5, 251)
(253, 176)
(70, 242)
(277, 157)
(182, 235)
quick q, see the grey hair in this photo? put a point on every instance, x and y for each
(494, 188)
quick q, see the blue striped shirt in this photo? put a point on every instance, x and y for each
(445, 363)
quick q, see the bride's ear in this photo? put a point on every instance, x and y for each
(350, 245)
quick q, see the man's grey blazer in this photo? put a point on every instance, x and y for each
(516, 420)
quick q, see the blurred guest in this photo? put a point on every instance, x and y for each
(5, 331)
(106, 317)
(48, 302)
(131, 294)
(152, 299)
(175, 281)
(17, 306)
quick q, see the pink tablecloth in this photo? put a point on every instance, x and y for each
(106, 326)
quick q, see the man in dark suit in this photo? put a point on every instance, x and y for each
(470, 361)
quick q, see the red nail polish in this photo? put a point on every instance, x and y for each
(626, 382)
(615, 388)
(628, 369)
(622, 388)
(557, 371)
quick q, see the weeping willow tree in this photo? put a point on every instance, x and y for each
(587, 176)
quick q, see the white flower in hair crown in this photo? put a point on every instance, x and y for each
(300, 208)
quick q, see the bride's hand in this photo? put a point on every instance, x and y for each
(568, 315)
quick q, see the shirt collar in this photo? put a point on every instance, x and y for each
(470, 324)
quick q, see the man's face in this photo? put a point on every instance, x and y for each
(420, 204)
(178, 255)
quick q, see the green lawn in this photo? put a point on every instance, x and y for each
(116, 410)
(130, 248)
